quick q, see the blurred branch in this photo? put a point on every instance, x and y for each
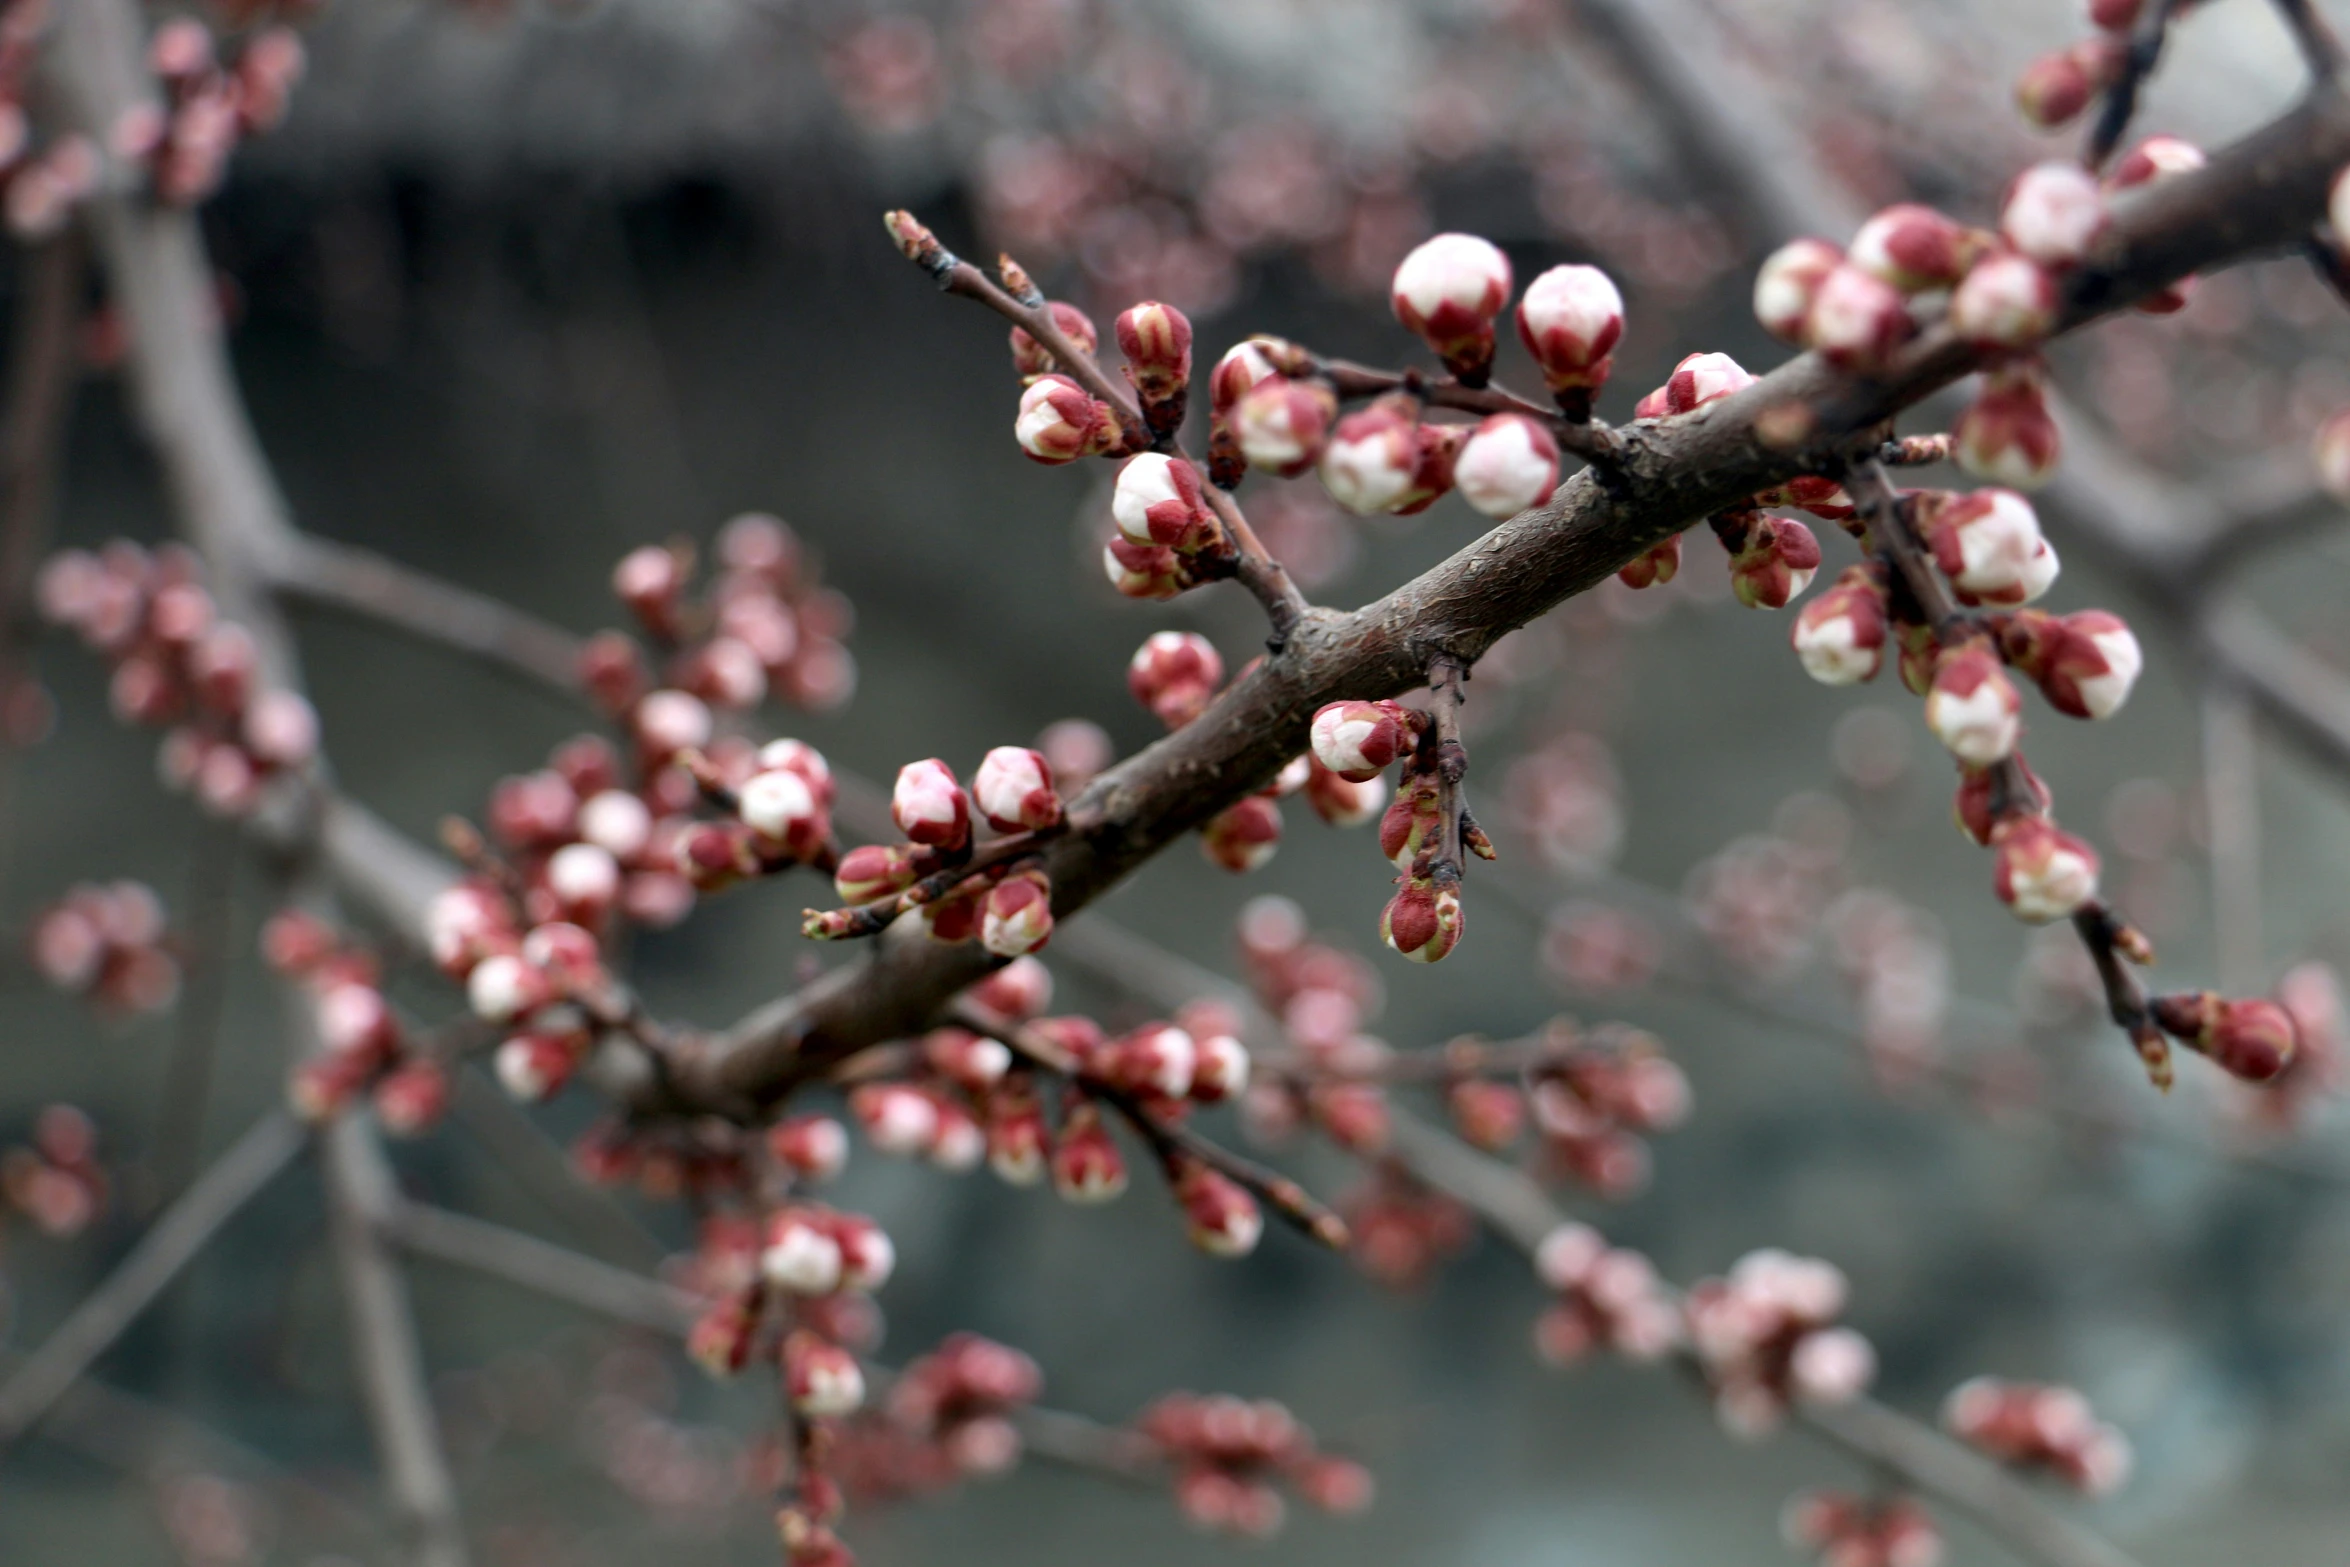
(167, 1247)
(2315, 37)
(195, 1036)
(2231, 804)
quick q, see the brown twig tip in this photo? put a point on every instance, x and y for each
(1016, 279)
(918, 245)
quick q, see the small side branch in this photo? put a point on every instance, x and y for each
(2121, 99)
(2321, 47)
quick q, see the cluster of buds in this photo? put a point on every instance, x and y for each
(667, 1161)
(1403, 1229)
(108, 943)
(42, 185)
(208, 105)
(1175, 674)
(1765, 1337)
(543, 984)
(1383, 459)
(1837, 1529)
(1227, 1453)
(2057, 88)
(994, 892)
(362, 1046)
(781, 796)
(1323, 997)
(1168, 534)
(1424, 828)
(177, 664)
(1595, 1101)
(960, 1399)
(764, 625)
(1609, 1299)
(2038, 1426)
(56, 1180)
(1772, 559)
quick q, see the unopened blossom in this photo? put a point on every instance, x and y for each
(781, 808)
(2330, 451)
(1143, 571)
(1840, 635)
(649, 581)
(1086, 1165)
(1017, 915)
(1436, 448)
(2245, 1037)
(1220, 1068)
(1060, 421)
(2055, 88)
(667, 722)
(1368, 464)
(2085, 663)
(2054, 213)
(1857, 319)
(1243, 366)
(1698, 380)
(896, 1119)
(929, 806)
(867, 1255)
(1972, 707)
(1448, 290)
(1158, 1059)
(2338, 206)
(2039, 1426)
(1359, 740)
(1412, 820)
(1176, 675)
(1013, 790)
(1980, 795)
(1571, 320)
(584, 879)
(2041, 872)
(1158, 500)
(1031, 358)
(2006, 434)
(1340, 802)
(1787, 283)
(874, 871)
(1773, 562)
(821, 1378)
(1840, 1530)
(502, 987)
(1654, 566)
(281, 729)
(1988, 543)
(1221, 1217)
(1510, 463)
(1915, 248)
(1156, 340)
(2006, 301)
(1423, 920)
(812, 1147)
(1242, 836)
(1281, 424)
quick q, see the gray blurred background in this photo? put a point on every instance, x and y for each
(520, 288)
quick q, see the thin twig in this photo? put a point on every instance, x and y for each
(1592, 440)
(2139, 58)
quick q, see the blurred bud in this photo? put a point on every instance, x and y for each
(821, 1378)
(1031, 358)
(1698, 380)
(1915, 248)
(1243, 366)
(1243, 836)
(1221, 1217)
(2006, 301)
(1654, 566)
(1017, 917)
(2330, 451)
(1175, 674)
(1774, 562)
(874, 871)
(812, 1147)
(1787, 283)
(1281, 424)
(1343, 802)
(2250, 1039)
(2054, 213)
(1858, 319)
(2006, 434)
(1086, 1165)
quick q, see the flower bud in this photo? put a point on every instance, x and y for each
(1060, 421)
(781, 808)
(1220, 1070)
(502, 988)
(1988, 543)
(585, 881)
(2084, 663)
(1243, 836)
(812, 1147)
(712, 856)
(1978, 796)
(1359, 740)
(1158, 501)
(1840, 636)
(1857, 319)
(1422, 921)
(1156, 340)
(1571, 320)
(2055, 88)
(1915, 248)
(2006, 434)
(1016, 1135)
(612, 670)
(1775, 562)
(1367, 465)
(2250, 1039)
(896, 1119)
(2041, 872)
(412, 1097)
(1412, 819)
(1698, 380)
(1281, 424)
(1013, 790)
(667, 722)
(1340, 802)
(2330, 451)
(649, 581)
(2054, 213)
(1654, 566)
(1833, 1366)
(1788, 282)
(1242, 367)
(1435, 450)
(867, 1255)
(2338, 207)
(1143, 571)
(797, 756)
(821, 1378)
(2005, 301)
(874, 871)
(929, 806)
(1086, 1164)
(1031, 358)
(956, 917)
(1017, 917)
(1448, 290)
(1973, 707)
(354, 1019)
(2154, 159)
(281, 729)
(534, 1066)
(1221, 1217)
(1158, 1060)
(1175, 674)
(721, 1338)
(1508, 465)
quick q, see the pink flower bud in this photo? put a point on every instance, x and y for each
(1013, 790)
(1220, 1070)
(896, 1119)
(1016, 1136)
(1359, 740)
(2006, 301)
(1341, 802)
(1988, 543)
(929, 806)
(1858, 319)
(799, 1254)
(354, 1019)
(1570, 321)
(1448, 290)
(1833, 1366)
(1915, 248)
(1143, 571)
(1422, 921)
(867, 1255)
(781, 808)
(1840, 636)
(412, 1097)
(1242, 837)
(874, 871)
(667, 722)
(1368, 464)
(1973, 708)
(2250, 1039)
(2054, 213)
(813, 1147)
(463, 924)
(2055, 88)
(649, 580)
(1222, 1218)
(2006, 435)
(797, 756)
(1281, 424)
(2085, 663)
(1060, 421)
(721, 1338)
(2041, 872)
(1158, 1060)
(1242, 367)
(2155, 159)
(1017, 917)
(1509, 464)
(584, 879)
(612, 671)
(1698, 380)
(1158, 501)
(2330, 451)
(502, 988)
(1978, 787)
(1788, 282)
(1654, 566)
(712, 856)
(1775, 563)
(281, 729)
(1031, 358)
(821, 1377)
(323, 1086)
(1175, 674)
(617, 822)
(1156, 340)
(1086, 1165)
(534, 1066)
(1412, 820)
